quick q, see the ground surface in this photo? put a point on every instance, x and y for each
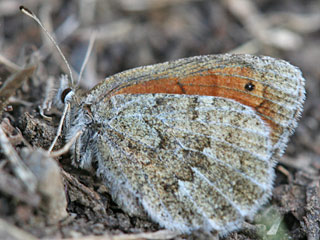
(134, 33)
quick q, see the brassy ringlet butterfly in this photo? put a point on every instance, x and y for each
(191, 142)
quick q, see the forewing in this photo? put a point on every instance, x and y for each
(276, 94)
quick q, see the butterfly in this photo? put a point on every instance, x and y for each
(192, 142)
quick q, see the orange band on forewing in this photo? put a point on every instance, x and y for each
(214, 84)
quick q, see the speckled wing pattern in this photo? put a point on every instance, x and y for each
(191, 161)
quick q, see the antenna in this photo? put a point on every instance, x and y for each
(89, 50)
(67, 103)
(29, 13)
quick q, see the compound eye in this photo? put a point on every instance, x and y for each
(64, 94)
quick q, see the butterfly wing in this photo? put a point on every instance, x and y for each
(273, 88)
(192, 141)
(191, 161)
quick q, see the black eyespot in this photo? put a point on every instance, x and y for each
(249, 87)
(64, 94)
